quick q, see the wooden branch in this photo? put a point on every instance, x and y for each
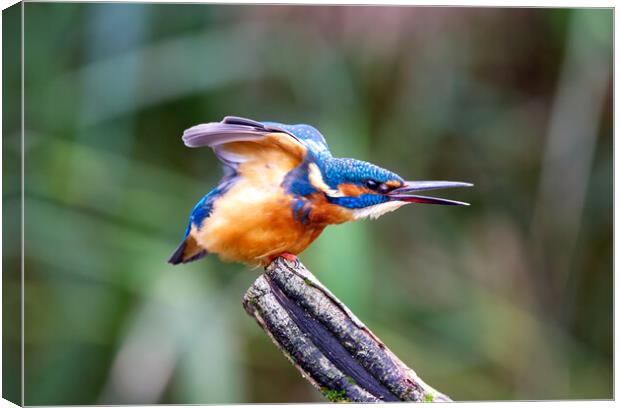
(326, 342)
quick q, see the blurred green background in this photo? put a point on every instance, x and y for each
(510, 298)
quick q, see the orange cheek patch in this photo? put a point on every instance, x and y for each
(353, 190)
(393, 183)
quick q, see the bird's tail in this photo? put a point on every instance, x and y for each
(187, 251)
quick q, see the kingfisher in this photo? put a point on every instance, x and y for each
(281, 188)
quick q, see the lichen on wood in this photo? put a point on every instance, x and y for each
(327, 343)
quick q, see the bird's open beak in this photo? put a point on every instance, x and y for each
(402, 193)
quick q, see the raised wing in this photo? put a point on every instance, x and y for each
(238, 140)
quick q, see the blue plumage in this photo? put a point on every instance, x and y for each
(296, 181)
(297, 206)
(310, 137)
(361, 201)
(337, 171)
(203, 208)
(199, 213)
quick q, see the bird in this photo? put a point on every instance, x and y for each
(281, 187)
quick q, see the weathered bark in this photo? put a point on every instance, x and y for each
(329, 345)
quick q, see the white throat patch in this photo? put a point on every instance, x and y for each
(316, 179)
(377, 210)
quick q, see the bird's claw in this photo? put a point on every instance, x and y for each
(290, 257)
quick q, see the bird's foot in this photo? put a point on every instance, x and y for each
(286, 255)
(289, 257)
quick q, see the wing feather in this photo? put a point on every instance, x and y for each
(237, 140)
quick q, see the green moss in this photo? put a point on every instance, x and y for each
(335, 395)
(428, 397)
(307, 281)
(350, 380)
(253, 302)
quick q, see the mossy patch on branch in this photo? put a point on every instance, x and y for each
(335, 395)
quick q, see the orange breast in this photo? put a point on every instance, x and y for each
(250, 224)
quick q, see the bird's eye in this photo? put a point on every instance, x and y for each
(371, 184)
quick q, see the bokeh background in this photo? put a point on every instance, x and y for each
(510, 298)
